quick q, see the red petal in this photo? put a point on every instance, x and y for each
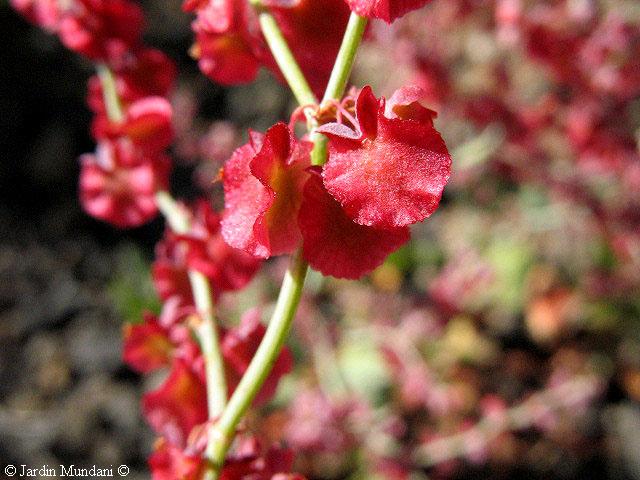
(170, 463)
(405, 104)
(394, 179)
(178, 405)
(387, 10)
(367, 106)
(263, 192)
(148, 123)
(147, 346)
(333, 244)
(118, 184)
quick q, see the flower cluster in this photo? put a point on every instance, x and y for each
(385, 171)
(119, 181)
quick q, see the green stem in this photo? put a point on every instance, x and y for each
(206, 330)
(110, 93)
(346, 55)
(264, 358)
(339, 78)
(284, 57)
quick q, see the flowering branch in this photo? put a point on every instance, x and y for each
(291, 289)
(206, 329)
(179, 221)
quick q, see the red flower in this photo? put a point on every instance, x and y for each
(169, 270)
(247, 461)
(240, 344)
(228, 41)
(178, 405)
(146, 346)
(392, 171)
(101, 29)
(335, 245)
(147, 124)
(169, 462)
(387, 10)
(230, 48)
(263, 183)
(226, 267)
(118, 184)
(154, 343)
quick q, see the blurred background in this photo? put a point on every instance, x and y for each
(502, 342)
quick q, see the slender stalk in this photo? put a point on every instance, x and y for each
(264, 358)
(206, 330)
(339, 78)
(284, 57)
(110, 93)
(346, 55)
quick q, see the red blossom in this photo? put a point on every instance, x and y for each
(147, 124)
(169, 462)
(226, 267)
(118, 183)
(154, 343)
(240, 344)
(169, 270)
(387, 10)
(147, 346)
(314, 30)
(228, 41)
(248, 460)
(178, 405)
(263, 183)
(392, 172)
(101, 29)
(335, 245)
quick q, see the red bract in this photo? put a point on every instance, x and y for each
(248, 461)
(335, 245)
(146, 346)
(227, 40)
(169, 270)
(387, 10)
(147, 124)
(240, 344)
(169, 462)
(263, 183)
(392, 172)
(154, 343)
(118, 184)
(226, 267)
(178, 405)
(101, 29)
